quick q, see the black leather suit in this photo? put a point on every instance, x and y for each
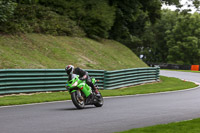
(81, 74)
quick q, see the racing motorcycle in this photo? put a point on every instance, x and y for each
(82, 94)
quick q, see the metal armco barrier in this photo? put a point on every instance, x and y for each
(39, 80)
(128, 77)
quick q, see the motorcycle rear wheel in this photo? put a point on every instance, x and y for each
(78, 101)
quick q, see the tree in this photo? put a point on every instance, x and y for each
(131, 19)
(27, 1)
(95, 17)
(184, 40)
(7, 8)
(196, 4)
(159, 49)
(171, 2)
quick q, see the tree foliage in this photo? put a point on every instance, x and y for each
(154, 34)
(7, 8)
(95, 17)
(155, 37)
(131, 18)
(39, 19)
(184, 40)
(175, 38)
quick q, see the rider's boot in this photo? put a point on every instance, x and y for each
(96, 91)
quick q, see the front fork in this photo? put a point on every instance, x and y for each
(79, 95)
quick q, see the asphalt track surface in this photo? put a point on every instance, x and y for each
(195, 77)
(117, 114)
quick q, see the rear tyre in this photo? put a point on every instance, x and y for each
(99, 102)
(78, 100)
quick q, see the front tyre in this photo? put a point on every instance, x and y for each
(78, 100)
(99, 102)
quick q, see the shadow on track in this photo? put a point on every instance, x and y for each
(73, 109)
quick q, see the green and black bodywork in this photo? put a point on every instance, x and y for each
(81, 93)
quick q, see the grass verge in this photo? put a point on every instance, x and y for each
(166, 84)
(191, 126)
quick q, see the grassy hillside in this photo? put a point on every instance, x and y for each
(46, 51)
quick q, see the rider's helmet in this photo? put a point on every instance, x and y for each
(69, 69)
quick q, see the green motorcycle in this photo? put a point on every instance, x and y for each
(82, 94)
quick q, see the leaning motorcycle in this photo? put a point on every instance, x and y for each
(82, 94)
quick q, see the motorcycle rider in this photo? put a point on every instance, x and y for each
(83, 75)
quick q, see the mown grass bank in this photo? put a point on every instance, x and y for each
(166, 84)
(191, 126)
(46, 51)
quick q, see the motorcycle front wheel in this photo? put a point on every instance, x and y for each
(99, 102)
(78, 99)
